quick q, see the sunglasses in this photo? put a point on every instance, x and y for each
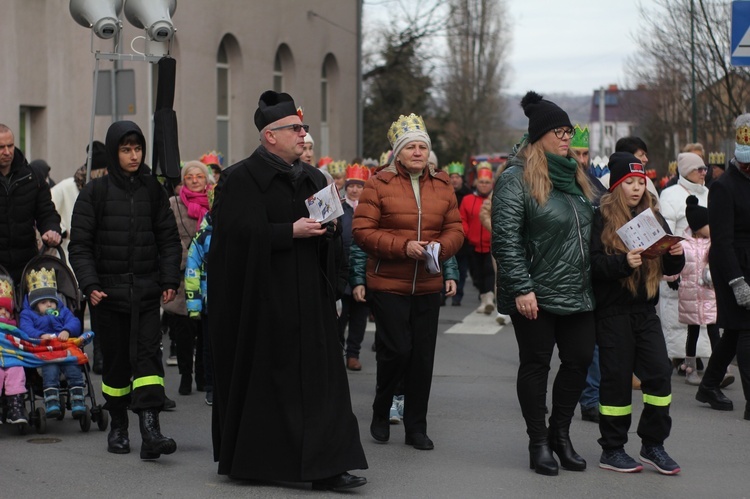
(198, 176)
(295, 128)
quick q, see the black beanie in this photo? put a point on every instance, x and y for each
(98, 156)
(697, 216)
(543, 115)
(623, 165)
(273, 106)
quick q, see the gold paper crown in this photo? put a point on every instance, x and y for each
(385, 157)
(484, 164)
(337, 167)
(743, 135)
(6, 289)
(716, 158)
(672, 169)
(405, 124)
(40, 279)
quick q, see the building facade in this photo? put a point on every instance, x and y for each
(227, 52)
(619, 117)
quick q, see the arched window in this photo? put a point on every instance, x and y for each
(328, 79)
(278, 75)
(222, 99)
(283, 68)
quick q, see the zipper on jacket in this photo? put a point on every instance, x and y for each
(131, 243)
(419, 238)
(580, 246)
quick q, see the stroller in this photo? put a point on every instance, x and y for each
(67, 287)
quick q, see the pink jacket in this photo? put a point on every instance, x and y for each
(697, 298)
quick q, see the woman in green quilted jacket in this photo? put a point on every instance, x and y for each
(541, 228)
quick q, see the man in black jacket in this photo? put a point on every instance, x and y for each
(125, 251)
(25, 203)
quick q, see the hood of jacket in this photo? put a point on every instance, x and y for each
(112, 147)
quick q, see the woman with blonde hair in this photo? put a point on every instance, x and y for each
(541, 226)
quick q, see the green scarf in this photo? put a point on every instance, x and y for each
(562, 173)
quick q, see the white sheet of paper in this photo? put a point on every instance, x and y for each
(642, 231)
(325, 205)
(433, 258)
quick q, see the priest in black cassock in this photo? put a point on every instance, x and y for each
(282, 410)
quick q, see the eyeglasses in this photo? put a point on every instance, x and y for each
(197, 176)
(560, 133)
(295, 128)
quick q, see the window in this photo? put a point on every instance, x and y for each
(608, 130)
(278, 75)
(222, 100)
(328, 73)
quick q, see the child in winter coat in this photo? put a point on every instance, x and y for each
(697, 305)
(12, 379)
(196, 297)
(45, 316)
(628, 330)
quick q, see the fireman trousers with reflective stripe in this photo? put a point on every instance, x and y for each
(633, 343)
(133, 373)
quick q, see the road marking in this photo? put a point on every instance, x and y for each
(475, 323)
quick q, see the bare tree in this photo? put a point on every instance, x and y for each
(478, 42)
(665, 66)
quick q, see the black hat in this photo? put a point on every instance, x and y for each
(98, 156)
(273, 106)
(543, 115)
(697, 216)
(623, 165)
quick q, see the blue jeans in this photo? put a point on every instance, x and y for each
(590, 395)
(51, 375)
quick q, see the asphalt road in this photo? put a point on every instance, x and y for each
(474, 420)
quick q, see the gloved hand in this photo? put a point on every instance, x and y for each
(741, 292)
(674, 284)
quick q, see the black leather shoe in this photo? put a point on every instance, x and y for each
(590, 414)
(186, 384)
(714, 397)
(118, 441)
(339, 482)
(169, 404)
(560, 444)
(541, 459)
(380, 429)
(419, 441)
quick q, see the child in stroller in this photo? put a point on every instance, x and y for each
(12, 378)
(45, 316)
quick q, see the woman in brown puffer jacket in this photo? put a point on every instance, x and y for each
(404, 209)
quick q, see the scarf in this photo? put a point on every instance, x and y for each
(293, 172)
(562, 173)
(197, 204)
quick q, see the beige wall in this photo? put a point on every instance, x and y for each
(48, 65)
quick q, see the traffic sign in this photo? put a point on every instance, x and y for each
(740, 33)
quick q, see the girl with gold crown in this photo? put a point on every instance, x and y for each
(12, 379)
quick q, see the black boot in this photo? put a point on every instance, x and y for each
(17, 410)
(98, 357)
(560, 444)
(714, 397)
(154, 443)
(541, 459)
(186, 384)
(117, 440)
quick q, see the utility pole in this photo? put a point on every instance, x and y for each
(360, 113)
(692, 56)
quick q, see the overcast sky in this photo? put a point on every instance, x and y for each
(571, 46)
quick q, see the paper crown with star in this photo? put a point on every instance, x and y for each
(337, 168)
(212, 158)
(42, 285)
(357, 173)
(455, 167)
(580, 139)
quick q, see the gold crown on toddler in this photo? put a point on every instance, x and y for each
(405, 124)
(40, 279)
(6, 288)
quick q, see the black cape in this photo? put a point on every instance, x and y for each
(282, 409)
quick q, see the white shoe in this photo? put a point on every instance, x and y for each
(502, 319)
(395, 417)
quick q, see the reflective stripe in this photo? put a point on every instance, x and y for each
(611, 410)
(148, 380)
(115, 392)
(657, 401)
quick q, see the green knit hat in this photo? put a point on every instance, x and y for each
(455, 167)
(581, 138)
